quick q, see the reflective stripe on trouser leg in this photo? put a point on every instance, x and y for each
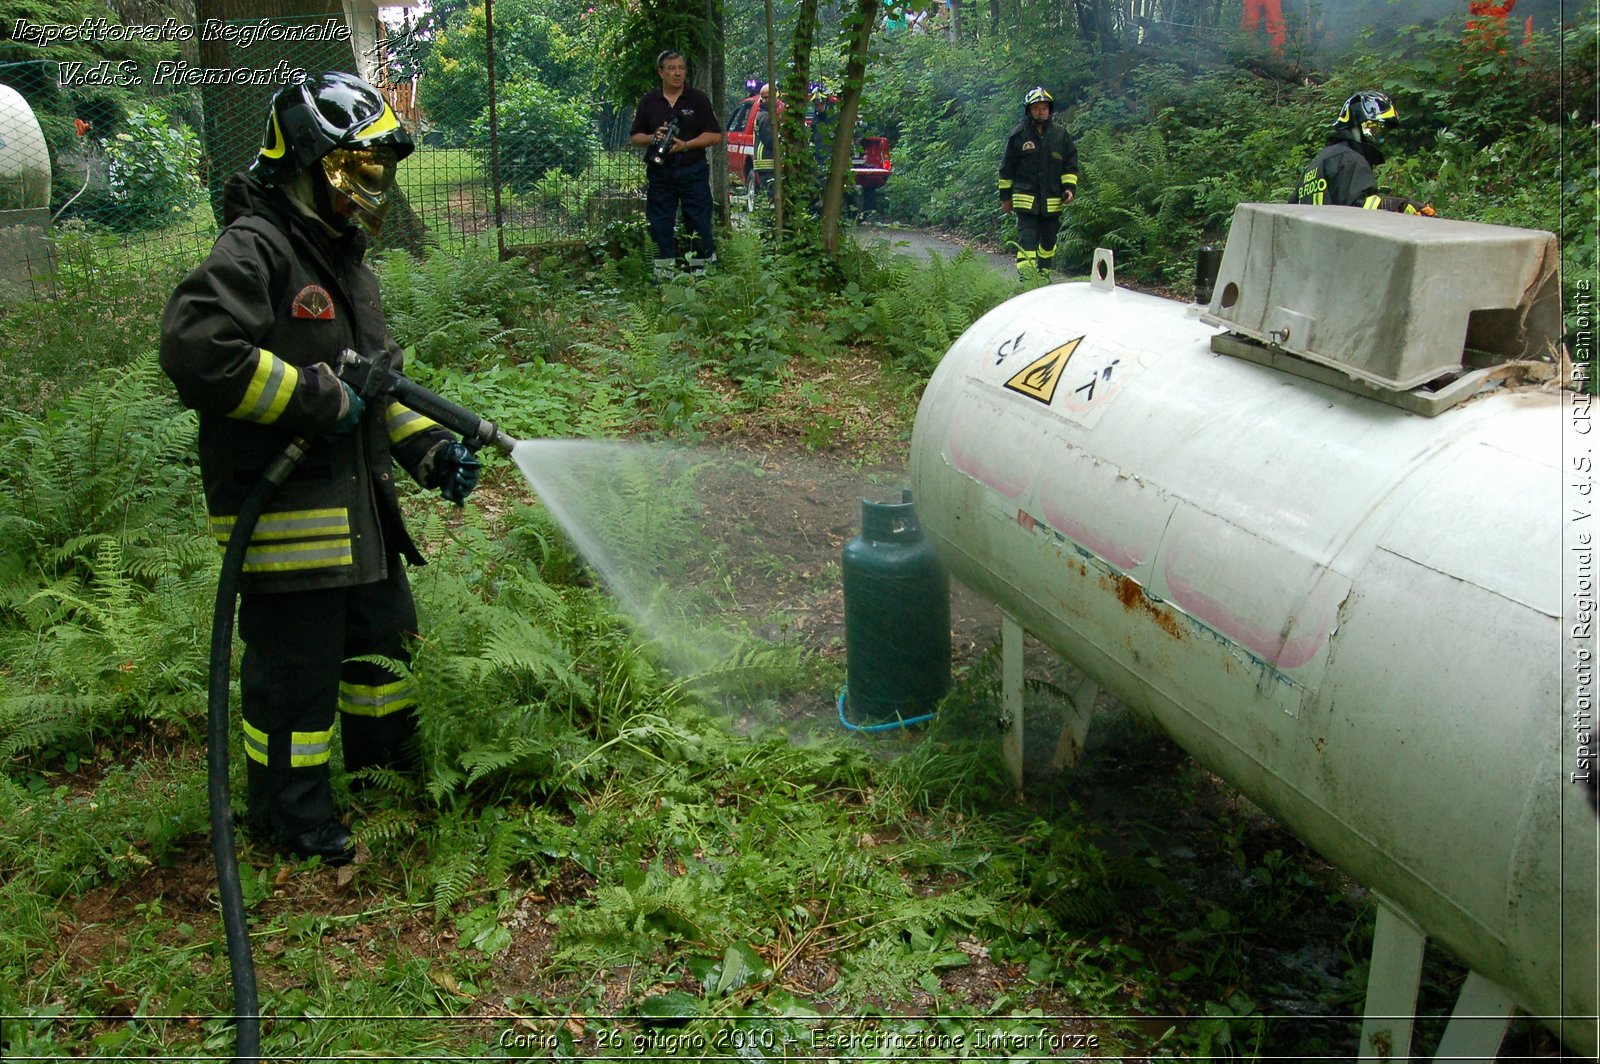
(1036, 233)
(377, 702)
(1026, 260)
(289, 686)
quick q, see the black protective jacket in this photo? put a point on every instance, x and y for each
(249, 338)
(1342, 175)
(1038, 168)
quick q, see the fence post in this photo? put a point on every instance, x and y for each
(494, 130)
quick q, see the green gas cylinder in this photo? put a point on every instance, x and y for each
(896, 617)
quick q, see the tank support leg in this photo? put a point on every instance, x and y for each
(1011, 692)
(1479, 1022)
(1075, 729)
(1396, 971)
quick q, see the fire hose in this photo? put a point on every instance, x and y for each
(370, 378)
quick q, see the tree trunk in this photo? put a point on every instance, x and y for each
(774, 127)
(994, 18)
(800, 171)
(954, 7)
(236, 115)
(716, 66)
(859, 26)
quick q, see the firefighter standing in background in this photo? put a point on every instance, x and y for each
(762, 157)
(1342, 174)
(1038, 177)
(250, 339)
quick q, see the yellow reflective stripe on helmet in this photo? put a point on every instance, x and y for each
(271, 385)
(1005, 183)
(289, 524)
(310, 748)
(279, 145)
(376, 700)
(1022, 201)
(1372, 203)
(255, 744)
(382, 124)
(404, 422)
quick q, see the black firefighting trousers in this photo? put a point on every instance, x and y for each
(1036, 240)
(299, 668)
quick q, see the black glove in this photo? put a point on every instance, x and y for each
(354, 407)
(455, 472)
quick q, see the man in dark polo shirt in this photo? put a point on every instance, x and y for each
(682, 177)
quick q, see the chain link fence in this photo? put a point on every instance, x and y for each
(121, 164)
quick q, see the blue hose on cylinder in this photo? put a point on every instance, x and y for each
(886, 726)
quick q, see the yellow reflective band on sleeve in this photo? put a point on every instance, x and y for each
(310, 748)
(1372, 203)
(255, 744)
(1070, 180)
(271, 385)
(1022, 201)
(404, 423)
(366, 700)
(1005, 183)
(289, 524)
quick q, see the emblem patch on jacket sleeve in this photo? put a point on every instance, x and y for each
(313, 301)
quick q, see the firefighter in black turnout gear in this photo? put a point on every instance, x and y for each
(1038, 177)
(250, 338)
(1342, 173)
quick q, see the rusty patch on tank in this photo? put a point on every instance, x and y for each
(1133, 598)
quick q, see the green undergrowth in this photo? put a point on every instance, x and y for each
(592, 859)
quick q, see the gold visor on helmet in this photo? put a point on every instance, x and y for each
(364, 176)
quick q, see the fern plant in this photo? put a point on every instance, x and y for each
(105, 573)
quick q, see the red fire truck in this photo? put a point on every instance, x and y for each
(869, 160)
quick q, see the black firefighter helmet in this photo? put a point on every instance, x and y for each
(1037, 94)
(344, 124)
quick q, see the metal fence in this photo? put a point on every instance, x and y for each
(122, 165)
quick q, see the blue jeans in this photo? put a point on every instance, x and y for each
(669, 188)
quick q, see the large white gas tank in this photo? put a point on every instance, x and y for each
(24, 159)
(1354, 614)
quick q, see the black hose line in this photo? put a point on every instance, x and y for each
(246, 1007)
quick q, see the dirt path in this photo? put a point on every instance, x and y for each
(922, 242)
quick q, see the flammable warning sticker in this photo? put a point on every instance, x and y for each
(1038, 379)
(1076, 377)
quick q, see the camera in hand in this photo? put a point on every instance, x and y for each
(661, 147)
